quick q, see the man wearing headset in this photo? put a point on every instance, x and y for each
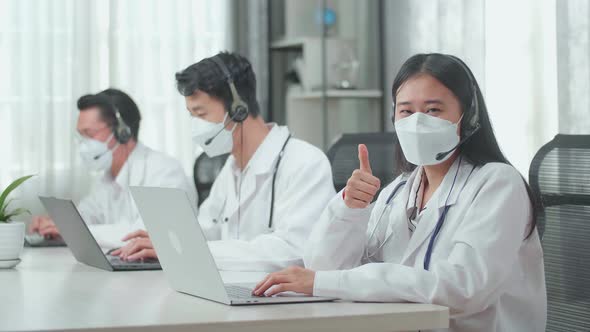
(271, 190)
(107, 130)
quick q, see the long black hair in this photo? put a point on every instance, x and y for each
(482, 147)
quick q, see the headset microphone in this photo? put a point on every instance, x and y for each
(441, 155)
(208, 141)
(100, 155)
(232, 118)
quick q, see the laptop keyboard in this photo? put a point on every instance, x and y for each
(237, 292)
(116, 261)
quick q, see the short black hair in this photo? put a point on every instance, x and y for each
(106, 101)
(206, 76)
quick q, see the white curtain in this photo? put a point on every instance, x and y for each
(521, 76)
(510, 47)
(446, 26)
(52, 52)
(573, 58)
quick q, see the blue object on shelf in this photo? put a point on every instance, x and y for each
(327, 16)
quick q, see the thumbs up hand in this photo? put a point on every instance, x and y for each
(362, 185)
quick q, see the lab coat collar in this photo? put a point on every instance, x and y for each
(463, 170)
(133, 169)
(262, 163)
(460, 166)
(415, 193)
(264, 157)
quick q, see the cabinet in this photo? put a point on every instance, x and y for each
(325, 68)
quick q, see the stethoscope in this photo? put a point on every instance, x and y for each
(439, 223)
(272, 195)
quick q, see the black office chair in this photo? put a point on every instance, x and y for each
(560, 175)
(205, 172)
(343, 156)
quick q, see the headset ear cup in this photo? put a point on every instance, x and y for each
(239, 112)
(121, 130)
(123, 134)
(239, 109)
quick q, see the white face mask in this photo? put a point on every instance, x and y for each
(220, 140)
(96, 154)
(423, 136)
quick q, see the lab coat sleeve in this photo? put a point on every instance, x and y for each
(484, 251)
(91, 207)
(162, 172)
(171, 175)
(302, 194)
(338, 240)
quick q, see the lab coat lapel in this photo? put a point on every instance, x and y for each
(261, 166)
(133, 171)
(400, 235)
(231, 204)
(400, 229)
(428, 222)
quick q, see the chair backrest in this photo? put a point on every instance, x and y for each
(343, 156)
(560, 176)
(205, 172)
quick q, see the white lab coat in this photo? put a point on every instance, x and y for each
(109, 209)
(237, 228)
(482, 268)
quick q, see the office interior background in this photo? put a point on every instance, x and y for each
(531, 58)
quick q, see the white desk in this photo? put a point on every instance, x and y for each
(50, 291)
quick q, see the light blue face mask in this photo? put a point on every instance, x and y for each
(96, 154)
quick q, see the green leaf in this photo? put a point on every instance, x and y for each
(11, 187)
(3, 208)
(15, 213)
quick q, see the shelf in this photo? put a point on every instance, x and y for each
(333, 93)
(288, 44)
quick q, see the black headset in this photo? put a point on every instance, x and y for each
(238, 111)
(121, 130)
(474, 107)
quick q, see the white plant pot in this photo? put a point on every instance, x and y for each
(12, 239)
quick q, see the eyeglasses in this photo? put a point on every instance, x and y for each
(88, 133)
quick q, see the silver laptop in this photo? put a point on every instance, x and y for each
(184, 253)
(82, 243)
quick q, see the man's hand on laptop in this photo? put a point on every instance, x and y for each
(292, 279)
(44, 226)
(138, 247)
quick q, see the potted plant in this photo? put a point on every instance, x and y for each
(12, 233)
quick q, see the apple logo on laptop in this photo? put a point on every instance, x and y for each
(175, 242)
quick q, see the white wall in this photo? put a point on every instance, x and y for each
(573, 61)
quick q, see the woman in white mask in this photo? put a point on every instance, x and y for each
(456, 228)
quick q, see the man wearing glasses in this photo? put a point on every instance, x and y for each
(107, 128)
